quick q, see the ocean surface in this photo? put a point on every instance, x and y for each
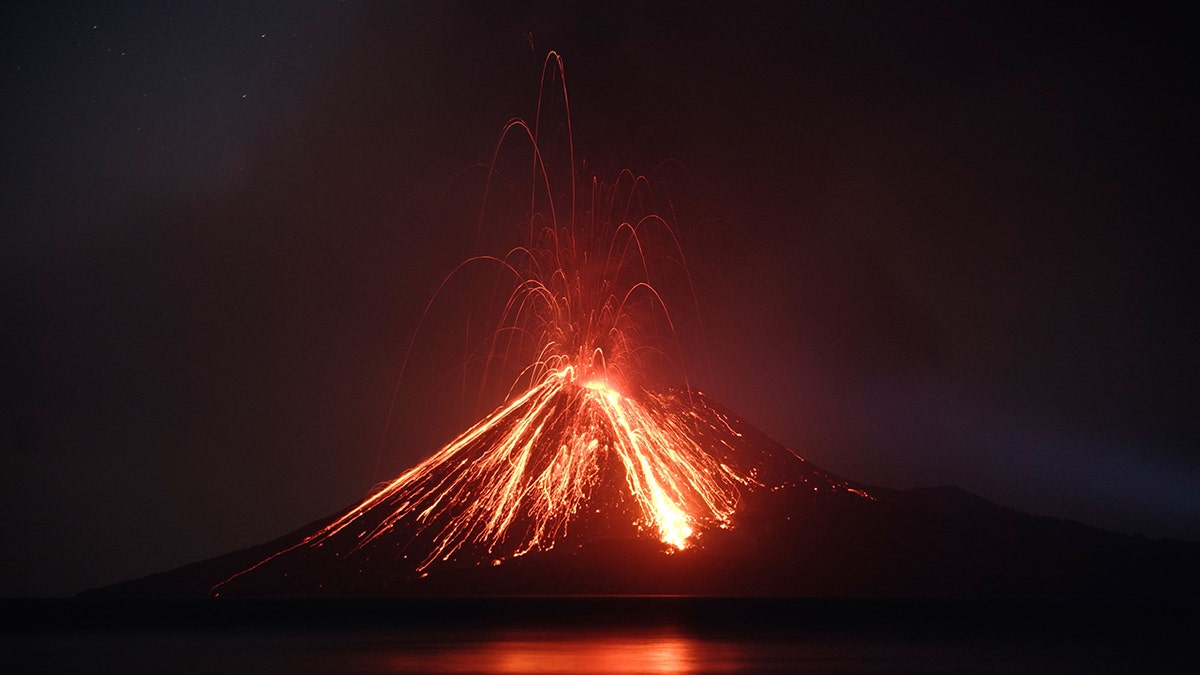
(600, 635)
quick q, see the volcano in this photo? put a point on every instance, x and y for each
(592, 476)
(575, 488)
(570, 465)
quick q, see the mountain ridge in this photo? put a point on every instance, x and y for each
(857, 541)
(1173, 558)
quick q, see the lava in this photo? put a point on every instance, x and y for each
(515, 479)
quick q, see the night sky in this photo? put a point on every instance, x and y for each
(931, 244)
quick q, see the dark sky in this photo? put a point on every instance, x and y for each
(931, 244)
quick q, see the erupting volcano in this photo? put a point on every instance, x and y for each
(585, 446)
(566, 464)
(600, 468)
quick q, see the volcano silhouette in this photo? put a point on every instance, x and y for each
(569, 466)
(566, 490)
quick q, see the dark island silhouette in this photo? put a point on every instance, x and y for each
(796, 531)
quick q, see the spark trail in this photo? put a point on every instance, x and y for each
(515, 481)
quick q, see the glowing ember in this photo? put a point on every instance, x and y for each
(585, 450)
(512, 483)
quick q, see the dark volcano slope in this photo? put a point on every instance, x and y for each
(796, 531)
(923, 542)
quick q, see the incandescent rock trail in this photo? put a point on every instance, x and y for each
(565, 465)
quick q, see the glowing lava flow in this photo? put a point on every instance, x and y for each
(542, 456)
(565, 454)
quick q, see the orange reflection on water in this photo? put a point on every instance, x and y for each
(582, 652)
